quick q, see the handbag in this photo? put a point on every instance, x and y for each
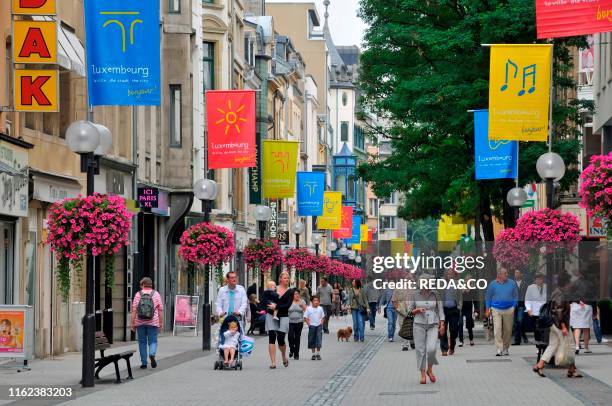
(405, 331)
(545, 319)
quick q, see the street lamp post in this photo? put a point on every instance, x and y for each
(550, 167)
(317, 238)
(297, 228)
(262, 215)
(516, 197)
(83, 138)
(206, 191)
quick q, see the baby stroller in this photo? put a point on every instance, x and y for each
(237, 363)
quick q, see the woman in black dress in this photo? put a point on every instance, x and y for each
(278, 328)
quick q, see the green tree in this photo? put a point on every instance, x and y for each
(423, 67)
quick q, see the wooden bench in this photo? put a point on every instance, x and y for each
(102, 345)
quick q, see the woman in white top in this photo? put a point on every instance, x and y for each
(428, 313)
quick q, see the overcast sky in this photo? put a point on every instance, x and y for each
(345, 26)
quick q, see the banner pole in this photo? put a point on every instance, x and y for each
(552, 94)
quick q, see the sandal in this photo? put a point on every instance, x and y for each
(573, 374)
(272, 366)
(286, 363)
(539, 371)
(423, 381)
(432, 377)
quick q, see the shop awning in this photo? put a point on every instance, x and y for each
(70, 50)
(51, 188)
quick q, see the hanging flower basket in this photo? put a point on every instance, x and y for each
(263, 255)
(301, 260)
(548, 230)
(510, 251)
(96, 224)
(596, 188)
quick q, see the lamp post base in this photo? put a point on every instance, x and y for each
(89, 350)
(206, 330)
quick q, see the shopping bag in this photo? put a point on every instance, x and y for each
(564, 356)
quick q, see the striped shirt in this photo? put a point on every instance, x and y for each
(159, 307)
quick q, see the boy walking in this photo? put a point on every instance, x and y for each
(315, 316)
(147, 320)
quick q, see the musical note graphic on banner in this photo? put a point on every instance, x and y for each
(529, 71)
(515, 66)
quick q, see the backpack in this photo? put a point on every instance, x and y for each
(146, 307)
(545, 320)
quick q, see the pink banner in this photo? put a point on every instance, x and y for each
(568, 18)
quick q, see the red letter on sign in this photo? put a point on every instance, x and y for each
(34, 43)
(32, 3)
(33, 90)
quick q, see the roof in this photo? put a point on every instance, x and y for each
(345, 151)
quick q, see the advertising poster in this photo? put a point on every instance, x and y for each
(12, 330)
(332, 211)
(123, 52)
(568, 18)
(279, 168)
(346, 224)
(310, 188)
(519, 92)
(493, 159)
(230, 119)
(186, 311)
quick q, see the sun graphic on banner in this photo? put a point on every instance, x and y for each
(231, 118)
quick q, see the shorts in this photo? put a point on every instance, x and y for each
(315, 336)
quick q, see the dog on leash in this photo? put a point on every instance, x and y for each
(345, 333)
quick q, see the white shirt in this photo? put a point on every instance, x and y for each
(314, 315)
(240, 300)
(534, 300)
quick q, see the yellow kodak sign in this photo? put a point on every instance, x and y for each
(35, 42)
(34, 7)
(519, 92)
(36, 90)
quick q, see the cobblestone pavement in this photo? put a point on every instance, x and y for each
(372, 373)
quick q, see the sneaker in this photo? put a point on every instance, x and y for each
(372, 327)
(604, 340)
(153, 361)
(499, 353)
(314, 357)
(390, 339)
(505, 352)
(460, 343)
(319, 357)
(290, 355)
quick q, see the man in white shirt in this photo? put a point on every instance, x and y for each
(231, 298)
(535, 297)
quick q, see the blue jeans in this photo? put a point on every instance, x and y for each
(597, 330)
(391, 321)
(373, 308)
(519, 324)
(358, 325)
(147, 335)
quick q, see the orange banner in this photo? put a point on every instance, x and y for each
(230, 117)
(346, 224)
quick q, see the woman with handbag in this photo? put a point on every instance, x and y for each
(428, 313)
(560, 340)
(400, 300)
(359, 309)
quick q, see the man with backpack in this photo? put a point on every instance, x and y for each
(147, 321)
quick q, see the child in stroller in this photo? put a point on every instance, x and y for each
(230, 336)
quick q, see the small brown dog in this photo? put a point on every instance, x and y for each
(345, 333)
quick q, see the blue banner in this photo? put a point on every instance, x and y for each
(310, 188)
(356, 238)
(123, 52)
(494, 159)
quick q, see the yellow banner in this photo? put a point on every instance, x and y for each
(364, 233)
(35, 41)
(36, 90)
(519, 92)
(34, 7)
(449, 232)
(332, 211)
(398, 246)
(279, 168)
(356, 247)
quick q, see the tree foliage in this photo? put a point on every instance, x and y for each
(423, 67)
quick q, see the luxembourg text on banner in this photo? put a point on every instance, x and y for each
(310, 189)
(570, 18)
(230, 121)
(356, 233)
(346, 224)
(493, 159)
(332, 211)
(519, 92)
(279, 168)
(123, 51)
